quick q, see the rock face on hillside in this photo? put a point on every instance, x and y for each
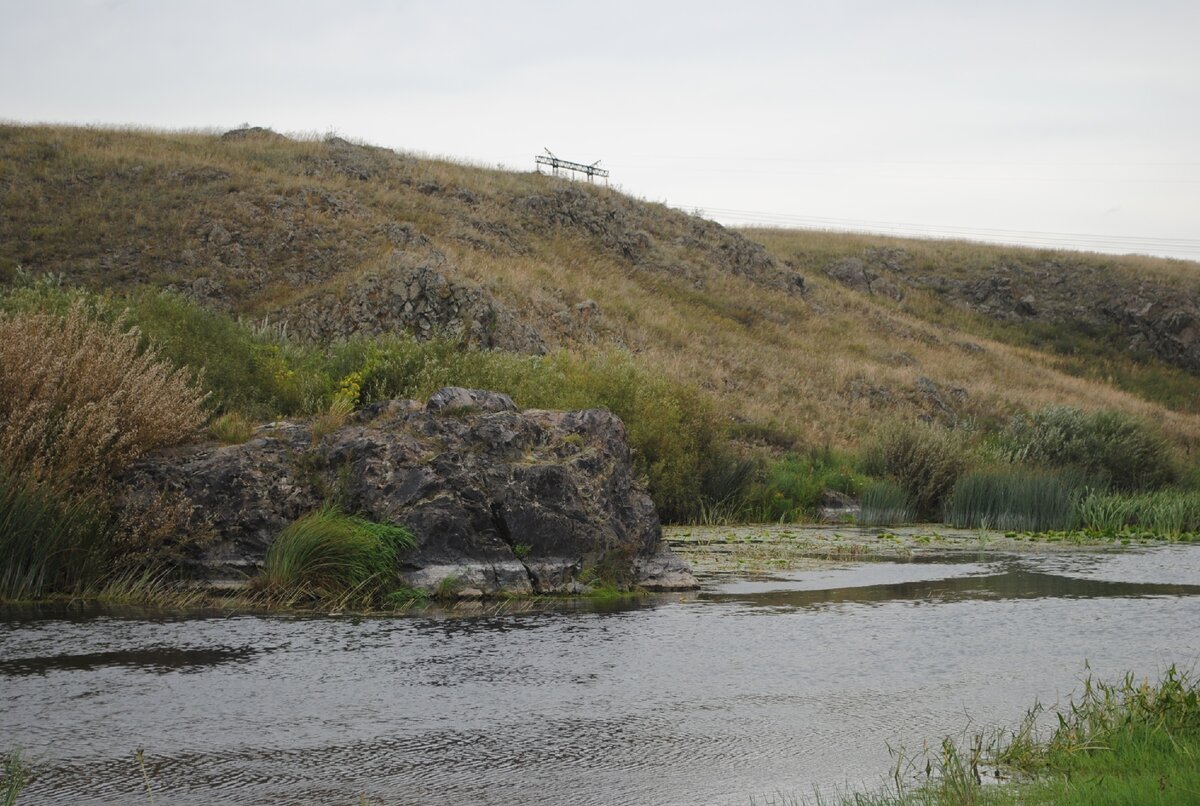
(410, 292)
(652, 236)
(1145, 316)
(498, 500)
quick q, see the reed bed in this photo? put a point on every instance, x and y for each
(885, 503)
(1013, 500)
(1167, 513)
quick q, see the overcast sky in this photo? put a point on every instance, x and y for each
(1042, 122)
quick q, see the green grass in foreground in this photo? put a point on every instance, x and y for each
(1123, 743)
(13, 777)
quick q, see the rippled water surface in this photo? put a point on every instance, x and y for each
(751, 687)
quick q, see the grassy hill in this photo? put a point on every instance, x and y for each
(788, 341)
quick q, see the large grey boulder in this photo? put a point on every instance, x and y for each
(499, 500)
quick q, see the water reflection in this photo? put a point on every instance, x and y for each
(868, 583)
(159, 660)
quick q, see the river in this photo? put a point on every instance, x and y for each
(755, 686)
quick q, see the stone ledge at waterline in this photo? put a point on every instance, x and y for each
(499, 500)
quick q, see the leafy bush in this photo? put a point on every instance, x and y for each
(885, 503)
(330, 555)
(924, 460)
(791, 488)
(255, 371)
(1110, 446)
(1013, 499)
(80, 398)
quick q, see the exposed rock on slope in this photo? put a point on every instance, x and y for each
(1149, 316)
(410, 292)
(653, 237)
(499, 500)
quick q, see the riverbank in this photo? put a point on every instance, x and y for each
(1120, 743)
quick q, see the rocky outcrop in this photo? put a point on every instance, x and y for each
(1086, 295)
(412, 293)
(653, 237)
(499, 500)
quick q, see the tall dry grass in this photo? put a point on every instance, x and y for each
(79, 400)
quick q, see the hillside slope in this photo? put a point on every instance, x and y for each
(333, 238)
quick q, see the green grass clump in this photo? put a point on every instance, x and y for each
(792, 488)
(50, 542)
(885, 503)
(1112, 447)
(1013, 499)
(13, 777)
(1165, 513)
(330, 556)
(231, 429)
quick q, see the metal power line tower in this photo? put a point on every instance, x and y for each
(556, 165)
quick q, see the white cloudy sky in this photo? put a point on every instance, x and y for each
(1043, 122)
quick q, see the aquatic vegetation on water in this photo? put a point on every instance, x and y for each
(1167, 513)
(48, 541)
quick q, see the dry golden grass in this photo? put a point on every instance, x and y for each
(79, 401)
(126, 208)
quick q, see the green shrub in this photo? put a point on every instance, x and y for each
(885, 503)
(1013, 499)
(256, 371)
(791, 488)
(328, 555)
(1110, 446)
(924, 460)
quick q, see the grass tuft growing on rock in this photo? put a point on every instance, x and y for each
(328, 555)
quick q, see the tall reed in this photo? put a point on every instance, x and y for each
(1167, 513)
(885, 503)
(1015, 499)
(49, 541)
